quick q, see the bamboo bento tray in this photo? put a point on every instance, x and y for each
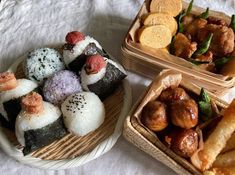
(71, 150)
(146, 140)
(148, 61)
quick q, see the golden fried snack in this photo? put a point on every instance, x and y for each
(158, 36)
(217, 21)
(208, 57)
(205, 31)
(183, 47)
(223, 171)
(171, 7)
(188, 19)
(230, 145)
(223, 41)
(225, 160)
(204, 157)
(161, 19)
(195, 26)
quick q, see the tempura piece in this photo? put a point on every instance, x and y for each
(204, 157)
(225, 160)
(230, 145)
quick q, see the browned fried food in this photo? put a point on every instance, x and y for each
(184, 48)
(208, 57)
(188, 19)
(233, 53)
(209, 67)
(217, 21)
(223, 39)
(173, 94)
(204, 32)
(184, 113)
(195, 26)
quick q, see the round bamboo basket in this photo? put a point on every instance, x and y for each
(71, 150)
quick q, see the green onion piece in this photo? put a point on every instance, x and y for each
(204, 46)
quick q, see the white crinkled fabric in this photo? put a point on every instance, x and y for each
(28, 24)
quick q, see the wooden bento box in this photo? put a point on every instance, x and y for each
(148, 61)
(148, 141)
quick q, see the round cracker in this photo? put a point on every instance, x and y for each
(157, 36)
(161, 19)
(171, 7)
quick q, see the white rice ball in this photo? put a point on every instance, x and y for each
(83, 112)
(25, 121)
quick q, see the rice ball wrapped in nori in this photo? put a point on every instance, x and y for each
(83, 112)
(101, 75)
(42, 63)
(77, 48)
(11, 91)
(61, 85)
(38, 124)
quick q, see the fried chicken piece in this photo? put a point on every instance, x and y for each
(217, 21)
(184, 48)
(233, 53)
(205, 31)
(188, 19)
(223, 39)
(195, 26)
(208, 57)
(209, 67)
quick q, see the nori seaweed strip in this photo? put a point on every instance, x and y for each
(12, 108)
(91, 49)
(4, 123)
(38, 138)
(77, 64)
(105, 86)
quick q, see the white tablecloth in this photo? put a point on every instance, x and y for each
(27, 24)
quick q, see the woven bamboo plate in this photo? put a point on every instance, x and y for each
(71, 150)
(136, 133)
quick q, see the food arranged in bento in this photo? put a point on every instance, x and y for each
(192, 125)
(202, 39)
(60, 94)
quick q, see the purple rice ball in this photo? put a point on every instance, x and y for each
(61, 85)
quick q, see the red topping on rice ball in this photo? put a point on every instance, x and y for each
(94, 64)
(7, 81)
(32, 103)
(74, 37)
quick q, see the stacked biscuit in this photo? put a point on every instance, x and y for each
(160, 25)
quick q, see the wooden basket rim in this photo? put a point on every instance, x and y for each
(132, 123)
(223, 81)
